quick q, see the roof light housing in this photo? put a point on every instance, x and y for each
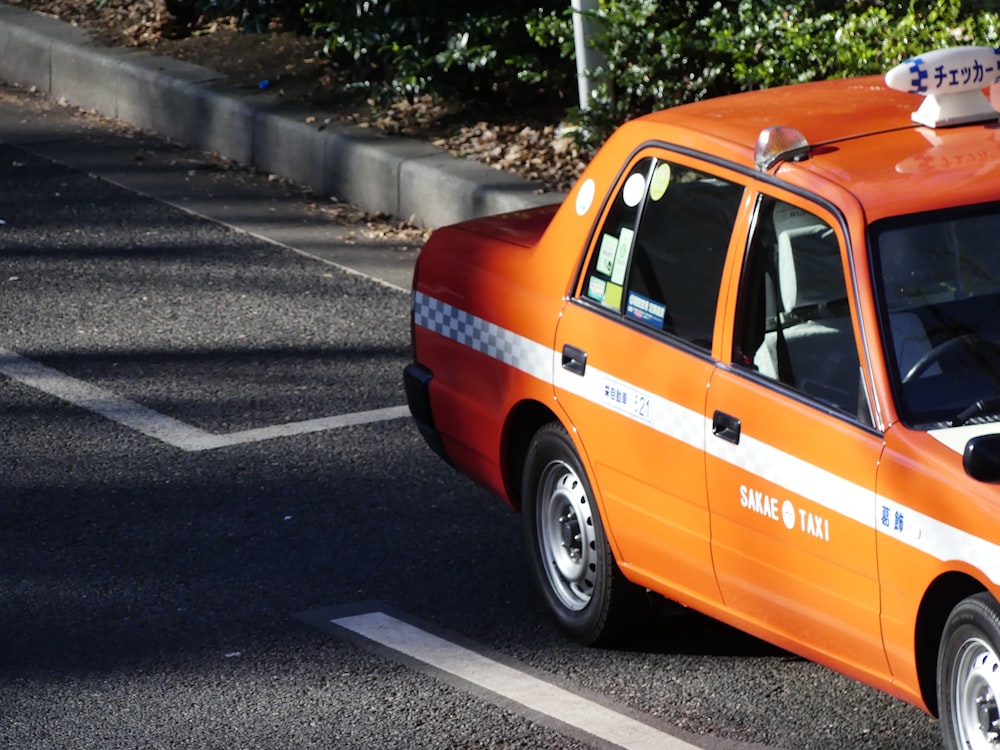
(779, 143)
(951, 80)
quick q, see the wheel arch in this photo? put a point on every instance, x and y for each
(939, 600)
(523, 421)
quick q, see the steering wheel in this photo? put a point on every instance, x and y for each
(965, 342)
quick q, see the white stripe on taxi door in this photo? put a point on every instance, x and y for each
(674, 420)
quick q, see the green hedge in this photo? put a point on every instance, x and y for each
(659, 52)
(404, 48)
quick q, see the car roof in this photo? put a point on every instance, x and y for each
(863, 139)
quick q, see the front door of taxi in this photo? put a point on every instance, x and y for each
(791, 458)
(635, 343)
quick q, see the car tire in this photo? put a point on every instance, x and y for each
(968, 683)
(573, 564)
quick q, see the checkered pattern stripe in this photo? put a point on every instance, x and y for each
(680, 423)
(751, 456)
(540, 361)
(482, 336)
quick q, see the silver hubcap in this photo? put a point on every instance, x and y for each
(566, 535)
(977, 685)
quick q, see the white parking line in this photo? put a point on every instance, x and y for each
(514, 685)
(159, 426)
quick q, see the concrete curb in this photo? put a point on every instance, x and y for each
(197, 107)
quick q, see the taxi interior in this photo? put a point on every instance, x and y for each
(938, 278)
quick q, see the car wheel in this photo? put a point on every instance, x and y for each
(969, 675)
(572, 562)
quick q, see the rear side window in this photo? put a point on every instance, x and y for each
(661, 249)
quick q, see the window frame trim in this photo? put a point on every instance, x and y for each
(754, 184)
(692, 160)
(826, 210)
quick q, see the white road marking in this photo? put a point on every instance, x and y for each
(538, 695)
(159, 426)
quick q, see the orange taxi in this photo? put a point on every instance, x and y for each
(752, 364)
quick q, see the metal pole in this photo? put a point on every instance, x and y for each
(587, 58)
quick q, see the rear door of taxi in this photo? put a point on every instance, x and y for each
(791, 454)
(636, 342)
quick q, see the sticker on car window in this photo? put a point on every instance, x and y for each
(659, 182)
(645, 310)
(595, 288)
(585, 197)
(606, 254)
(635, 188)
(621, 256)
(613, 296)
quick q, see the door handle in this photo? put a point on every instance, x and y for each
(726, 427)
(573, 359)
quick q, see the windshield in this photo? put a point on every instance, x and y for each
(938, 281)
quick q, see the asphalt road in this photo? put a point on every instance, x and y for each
(184, 511)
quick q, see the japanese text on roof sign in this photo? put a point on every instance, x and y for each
(948, 70)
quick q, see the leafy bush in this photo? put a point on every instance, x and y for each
(442, 46)
(659, 52)
(666, 53)
(655, 53)
(808, 41)
(403, 48)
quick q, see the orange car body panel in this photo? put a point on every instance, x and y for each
(827, 550)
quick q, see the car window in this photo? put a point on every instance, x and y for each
(794, 320)
(662, 247)
(938, 282)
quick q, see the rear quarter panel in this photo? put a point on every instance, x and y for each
(503, 294)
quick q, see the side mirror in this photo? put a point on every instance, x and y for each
(982, 458)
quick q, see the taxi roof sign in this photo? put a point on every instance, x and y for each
(952, 82)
